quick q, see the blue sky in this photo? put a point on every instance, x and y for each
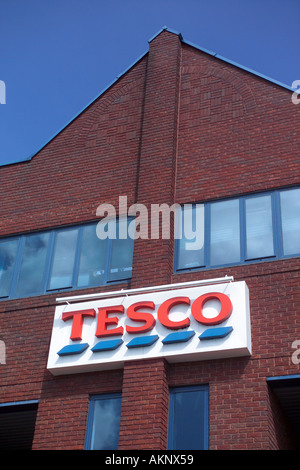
(56, 56)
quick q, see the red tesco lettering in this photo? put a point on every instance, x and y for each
(136, 312)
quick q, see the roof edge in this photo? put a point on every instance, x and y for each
(236, 64)
(29, 158)
(220, 57)
(169, 30)
(164, 28)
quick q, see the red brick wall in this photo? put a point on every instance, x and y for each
(92, 161)
(239, 414)
(145, 399)
(180, 126)
(158, 154)
(63, 408)
(237, 132)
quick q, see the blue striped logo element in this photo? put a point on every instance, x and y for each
(215, 333)
(142, 341)
(107, 345)
(178, 337)
(73, 349)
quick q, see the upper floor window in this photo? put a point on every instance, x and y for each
(239, 230)
(65, 258)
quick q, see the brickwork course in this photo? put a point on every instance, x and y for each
(183, 126)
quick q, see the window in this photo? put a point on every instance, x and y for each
(239, 230)
(103, 422)
(67, 258)
(63, 259)
(188, 418)
(224, 232)
(17, 424)
(290, 215)
(8, 251)
(33, 260)
(191, 244)
(91, 267)
(121, 260)
(259, 227)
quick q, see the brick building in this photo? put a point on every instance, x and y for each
(181, 125)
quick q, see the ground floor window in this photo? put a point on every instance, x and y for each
(286, 389)
(103, 422)
(17, 424)
(188, 418)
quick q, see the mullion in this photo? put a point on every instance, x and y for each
(77, 256)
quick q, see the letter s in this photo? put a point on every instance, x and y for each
(134, 314)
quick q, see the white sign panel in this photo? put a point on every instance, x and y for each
(181, 325)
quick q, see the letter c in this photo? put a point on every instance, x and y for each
(164, 310)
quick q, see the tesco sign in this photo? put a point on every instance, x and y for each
(186, 324)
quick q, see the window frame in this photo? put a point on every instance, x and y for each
(243, 214)
(280, 220)
(207, 248)
(173, 391)
(52, 253)
(276, 226)
(45, 289)
(13, 279)
(90, 420)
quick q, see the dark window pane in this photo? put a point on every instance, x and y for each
(189, 419)
(290, 216)
(17, 424)
(8, 251)
(191, 244)
(63, 261)
(32, 265)
(259, 229)
(121, 258)
(92, 258)
(106, 424)
(225, 232)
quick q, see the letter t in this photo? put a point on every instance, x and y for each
(77, 324)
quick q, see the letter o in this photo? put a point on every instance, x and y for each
(225, 312)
